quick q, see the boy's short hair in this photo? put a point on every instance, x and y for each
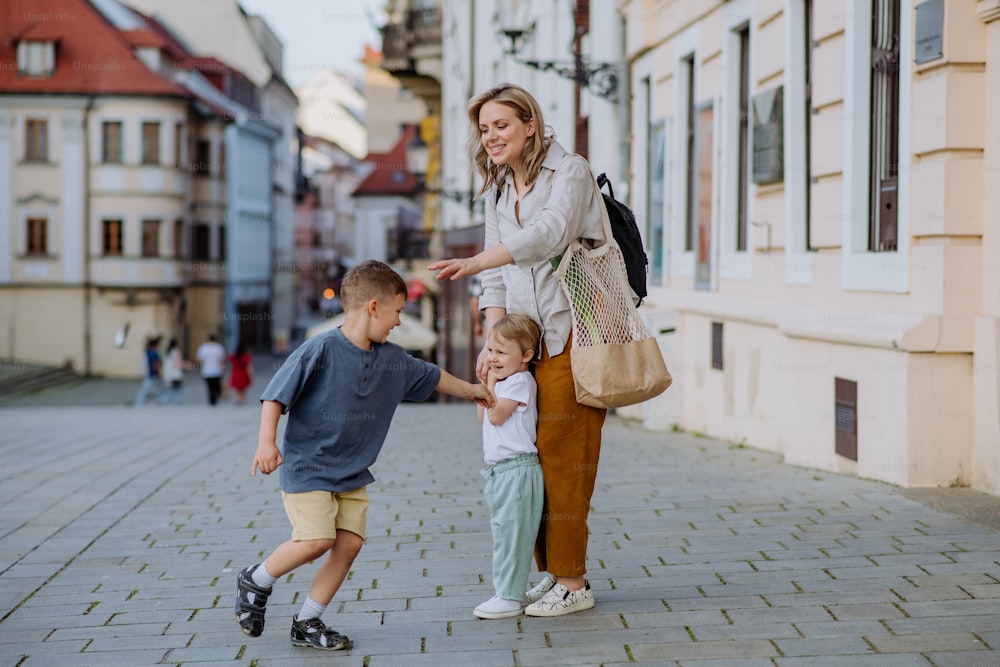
(519, 329)
(369, 280)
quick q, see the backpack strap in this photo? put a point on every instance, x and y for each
(602, 180)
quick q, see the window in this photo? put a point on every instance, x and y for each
(203, 155)
(112, 237)
(111, 142)
(222, 242)
(201, 241)
(884, 155)
(37, 237)
(743, 152)
(36, 140)
(690, 210)
(150, 238)
(36, 58)
(178, 144)
(703, 170)
(179, 239)
(151, 143)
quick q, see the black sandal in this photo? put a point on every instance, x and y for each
(250, 615)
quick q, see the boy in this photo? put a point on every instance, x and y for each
(514, 487)
(340, 390)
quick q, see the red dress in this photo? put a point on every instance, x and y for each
(240, 377)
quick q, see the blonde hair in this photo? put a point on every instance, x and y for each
(369, 280)
(519, 329)
(526, 108)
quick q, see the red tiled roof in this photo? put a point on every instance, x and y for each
(390, 176)
(142, 37)
(92, 56)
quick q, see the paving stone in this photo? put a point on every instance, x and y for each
(737, 648)
(925, 593)
(866, 660)
(829, 646)
(964, 659)
(928, 642)
(857, 612)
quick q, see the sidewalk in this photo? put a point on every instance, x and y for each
(118, 392)
(122, 531)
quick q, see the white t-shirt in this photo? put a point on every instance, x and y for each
(517, 434)
(212, 357)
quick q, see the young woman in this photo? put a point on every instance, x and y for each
(539, 199)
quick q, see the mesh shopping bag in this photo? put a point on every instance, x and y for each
(614, 359)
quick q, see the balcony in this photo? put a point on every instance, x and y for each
(412, 52)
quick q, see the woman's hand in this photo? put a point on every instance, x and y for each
(455, 268)
(496, 256)
(482, 365)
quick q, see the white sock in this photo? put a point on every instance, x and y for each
(262, 577)
(310, 609)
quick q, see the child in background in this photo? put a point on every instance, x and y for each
(514, 487)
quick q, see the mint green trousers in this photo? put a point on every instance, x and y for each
(514, 493)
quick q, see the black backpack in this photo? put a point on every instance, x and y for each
(626, 233)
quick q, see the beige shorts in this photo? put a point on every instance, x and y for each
(317, 515)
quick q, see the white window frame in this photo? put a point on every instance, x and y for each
(862, 269)
(681, 261)
(36, 58)
(798, 260)
(734, 264)
(642, 70)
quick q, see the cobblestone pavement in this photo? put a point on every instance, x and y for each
(122, 530)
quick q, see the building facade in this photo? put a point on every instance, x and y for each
(447, 53)
(259, 225)
(815, 179)
(814, 183)
(114, 185)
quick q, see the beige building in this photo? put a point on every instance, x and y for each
(113, 186)
(817, 180)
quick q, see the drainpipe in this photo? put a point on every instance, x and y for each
(87, 323)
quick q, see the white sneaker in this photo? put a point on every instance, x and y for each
(538, 592)
(497, 607)
(560, 600)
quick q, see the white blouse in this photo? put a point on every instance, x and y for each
(561, 205)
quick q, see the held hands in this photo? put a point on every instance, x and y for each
(483, 395)
(267, 458)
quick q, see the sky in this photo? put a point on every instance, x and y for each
(321, 33)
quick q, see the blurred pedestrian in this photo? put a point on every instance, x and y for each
(152, 380)
(241, 376)
(212, 357)
(539, 198)
(173, 373)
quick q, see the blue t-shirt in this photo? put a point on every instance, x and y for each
(152, 363)
(340, 400)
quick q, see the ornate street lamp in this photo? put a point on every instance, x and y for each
(601, 78)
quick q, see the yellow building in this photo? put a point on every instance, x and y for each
(818, 180)
(113, 187)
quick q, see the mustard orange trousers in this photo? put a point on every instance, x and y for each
(569, 448)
